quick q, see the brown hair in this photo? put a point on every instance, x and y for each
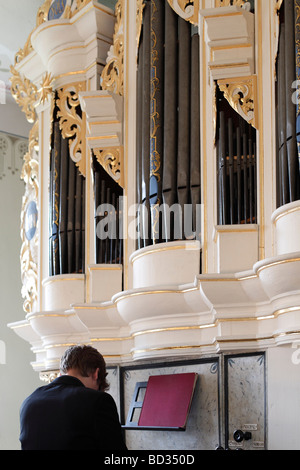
(86, 360)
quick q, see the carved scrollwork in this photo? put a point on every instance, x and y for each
(29, 224)
(71, 8)
(139, 19)
(71, 123)
(112, 77)
(241, 95)
(49, 376)
(26, 94)
(112, 161)
(227, 3)
(188, 10)
(41, 17)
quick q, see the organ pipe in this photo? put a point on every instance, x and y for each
(236, 157)
(168, 154)
(288, 184)
(66, 208)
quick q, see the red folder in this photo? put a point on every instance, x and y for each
(167, 400)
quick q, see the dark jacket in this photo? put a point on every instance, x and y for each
(66, 415)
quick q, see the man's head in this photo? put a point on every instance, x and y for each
(87, 364)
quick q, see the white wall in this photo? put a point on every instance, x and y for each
(283, 416)
(17, 379)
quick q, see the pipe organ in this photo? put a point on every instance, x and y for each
(168, 125)
(163, 163)
(108, 205)
(287, 132)
(236, 153)
(66, 207)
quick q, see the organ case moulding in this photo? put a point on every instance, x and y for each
(229, 35)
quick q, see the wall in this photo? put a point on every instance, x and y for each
(17, 378)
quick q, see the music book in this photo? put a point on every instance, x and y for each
(168, 400)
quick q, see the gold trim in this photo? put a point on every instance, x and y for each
(188, 10)
(276, 263)
(289, 211)
(111, 160)
(126, 133)
(112, 78)
(106, 268)
(34, 316)
(160, 249)
(228, 3)
(224, 229)
(92, 307)
(41, 17)
(59, 345)
(46, 282)
(216, 342)
(241, 94)
(98, 340)
(103, 137)
(71, 124)
(261, 153)
(204, 168)
(28, 254)
(140, 5)
(272, 316)
(26, 94)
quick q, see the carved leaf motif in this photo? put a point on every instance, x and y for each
(112, 78)
(71, 123)
(111, 160)
(241, 95)
(187, 10)
(25, 94)
(28, 254)
(227, 3)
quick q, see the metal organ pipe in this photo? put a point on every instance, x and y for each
(288, 184)
(236, 167)
(66, 209)
(107, 197)
(168, 166)
(170, 117)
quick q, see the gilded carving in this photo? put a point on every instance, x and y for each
(79, 4)
(71, 123)
(112, 161)
(42, 14)
(227, 3)
(49, 376)
(188, 10)
(25, 94)
(72, 7)
(297, 35)
(241, 95)
(41, 17)
(46, 87)
(112, 78)
(29, 225)
(139, 19)
(155, 157)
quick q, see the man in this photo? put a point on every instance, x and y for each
(73, 412)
